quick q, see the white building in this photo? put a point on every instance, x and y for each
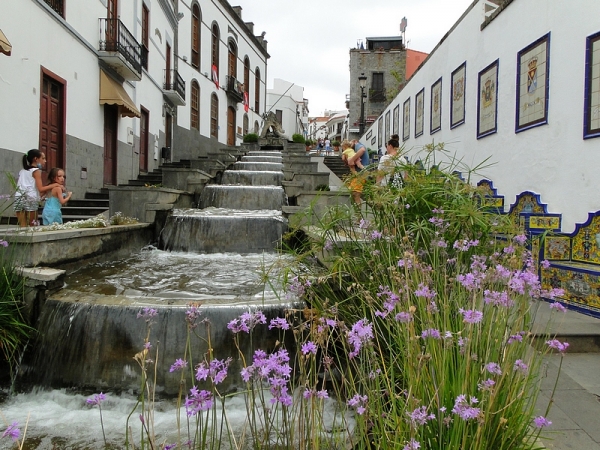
(103, 87)
(520, 87)
(317, 128)
(287, 101)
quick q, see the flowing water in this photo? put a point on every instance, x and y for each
(217, 258)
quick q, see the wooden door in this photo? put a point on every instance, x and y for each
(230, 126)
(144, 121)
(52, 122)
(111, 115)
(112, 27)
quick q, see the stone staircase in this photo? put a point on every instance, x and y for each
(155, 178)
(336, 165)
(91, 205)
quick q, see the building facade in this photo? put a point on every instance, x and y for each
(287, 101)
(516, 97)
(383, 61)
(113, 88)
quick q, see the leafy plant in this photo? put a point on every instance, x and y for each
(250, 138)
(298, 138)
(335, 143)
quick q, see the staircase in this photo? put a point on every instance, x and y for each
(336, 165)
(94, 203)
(155, 177)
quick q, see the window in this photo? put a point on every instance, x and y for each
(58, 6)
(279, 116)
(214, 116)
(195, 106)
(196, 36)
(246, 74)
(145, 38)
(256, 126)
(257, 91)
(216, 39)
(232, 60)
(245, 125)
(377, 92)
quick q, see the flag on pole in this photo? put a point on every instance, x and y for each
(215, 76)
(246, 103)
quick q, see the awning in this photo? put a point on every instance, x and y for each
(112, 93)
(5, 46)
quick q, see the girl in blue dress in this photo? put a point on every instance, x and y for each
(56, 198)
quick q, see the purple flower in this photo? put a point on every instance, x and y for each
(412, 445)
(361, 333)
(405, 263)
(557, 345)
(364, 224)
(279, 322)
(486, 385)
(169, 446)
(403, 317)
(192, 313)
(309, 347)
(359, 403)
(296, 288)
(376, 235)
(198, 401)
(328, 245)
(179, 364)
(419, 416)
(96, 399)
(12, 431)
(521, 239)
(147, 345)
(407, 206)
(4, 244)
(246, 322)
(515, 338)
(431, 333)
(311, 393)
(520, 366)
(424, 291)
(464, 408)
(471, 315)
(493, 368)
(541, 422)
(147, 313)
(216, 370)
(558, 306)
(545, 264)
(273, 369)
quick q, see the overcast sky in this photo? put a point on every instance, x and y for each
(309, 40)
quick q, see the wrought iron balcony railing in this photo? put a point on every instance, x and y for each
(235, 89)
(115, 37)
(174, 82)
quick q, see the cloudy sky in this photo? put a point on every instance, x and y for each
(309, 40)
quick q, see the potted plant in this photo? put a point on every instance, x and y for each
(298, 138)
(336, 146)
(250, 138)
(308, 143)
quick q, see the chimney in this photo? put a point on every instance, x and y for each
(238, 10)
(250, 26)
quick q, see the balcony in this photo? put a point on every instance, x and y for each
(119, 49)
(377, 95)
(234, 89)
(174, 87)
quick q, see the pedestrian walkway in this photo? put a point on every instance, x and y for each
(575, 412)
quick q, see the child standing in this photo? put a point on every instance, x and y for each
(56, 198)
(347, 153)
(29, 188)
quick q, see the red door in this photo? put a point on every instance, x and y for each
(168, 68)
(52, 122)
(144, 120)
(111, 114)
(230, 126)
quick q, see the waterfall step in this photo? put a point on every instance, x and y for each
(243, 197)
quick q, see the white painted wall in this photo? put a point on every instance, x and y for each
(553, 159)
(286, 96)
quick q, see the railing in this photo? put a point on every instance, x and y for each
(235, 89)
(115, 37)
(377, 95)
(174, 82)
(57, 5)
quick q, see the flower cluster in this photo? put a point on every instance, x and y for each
(275, 370)
(361, 333)
(464, 409)
(296, 288)
(12, 431)
(246, 322)
(359, 403)
(147, 314)
(179, 364)
(216, 370)
(198, 401)
(96, 399)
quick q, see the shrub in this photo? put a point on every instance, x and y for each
(335, 143)
(250, 138)
(298, 138)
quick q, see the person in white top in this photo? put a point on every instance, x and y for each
(30, 188)
(390, 166)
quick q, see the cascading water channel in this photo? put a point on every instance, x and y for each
(213, 257)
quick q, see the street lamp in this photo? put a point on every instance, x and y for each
(362, 82)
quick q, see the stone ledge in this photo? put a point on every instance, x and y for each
(40, 273)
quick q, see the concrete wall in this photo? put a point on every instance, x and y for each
(552, 159)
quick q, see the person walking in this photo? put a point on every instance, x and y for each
(389, 170)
